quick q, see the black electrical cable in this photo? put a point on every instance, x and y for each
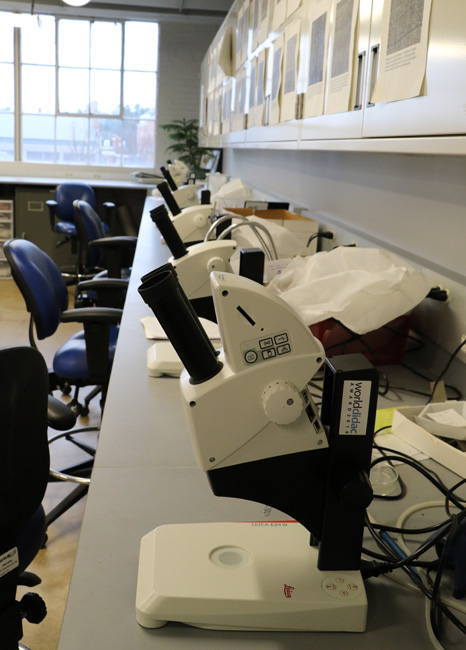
(447, 366)
(327, 234)
(428, 379)
(390, 561)
(450, 491)
(428, 474)
(435, 611)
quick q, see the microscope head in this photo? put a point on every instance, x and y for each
(194, 263)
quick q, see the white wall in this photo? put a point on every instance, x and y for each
(412, 205)
(182, 46)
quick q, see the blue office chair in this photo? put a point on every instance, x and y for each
(86, 358)
(97, 251)
(61, 215)
(24, 472)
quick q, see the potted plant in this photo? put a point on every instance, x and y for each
(184, 134)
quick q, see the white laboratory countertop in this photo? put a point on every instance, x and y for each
(145, 475)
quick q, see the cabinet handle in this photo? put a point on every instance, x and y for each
(375, 50)
(359, 81)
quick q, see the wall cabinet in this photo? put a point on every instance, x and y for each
(433, 122)
(442, 109)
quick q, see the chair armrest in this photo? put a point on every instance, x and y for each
(51, 204)
(107, 315)
(102, 284)
(119, 241)
(118, 253)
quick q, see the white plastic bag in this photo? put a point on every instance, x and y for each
(363, 288)
(232, 194)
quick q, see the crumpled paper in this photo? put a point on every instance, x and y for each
(363, 288)
(232, 194)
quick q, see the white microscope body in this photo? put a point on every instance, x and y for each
(192, 222)
(256, 432)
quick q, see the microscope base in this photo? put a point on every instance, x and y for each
(244, 576)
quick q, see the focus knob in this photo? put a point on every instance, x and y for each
(216, 264)
(200, 220)
(282, 402)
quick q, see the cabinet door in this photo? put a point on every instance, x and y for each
(348, 123)
(442, 109)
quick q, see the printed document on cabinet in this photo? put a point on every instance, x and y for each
(403, 50)
(315, 87)
(342, 56)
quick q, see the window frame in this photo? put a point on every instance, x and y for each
(22, 167)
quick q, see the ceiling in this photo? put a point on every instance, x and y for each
(204, 10)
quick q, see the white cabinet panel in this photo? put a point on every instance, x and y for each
(442, 110)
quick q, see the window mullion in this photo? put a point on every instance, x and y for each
(18, 150)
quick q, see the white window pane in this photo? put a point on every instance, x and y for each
(105, 92)
(141, 46)
(106, 45)
(6, 38)
(38, 144)
(38, 89)
(7, 136)
(38, 41)
(139, 94)
(105, 142)
(139, 143)
(72, 140)
(73, 43)
(7, 94)
(73, 90)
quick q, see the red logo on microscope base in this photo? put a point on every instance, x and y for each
(288, 591)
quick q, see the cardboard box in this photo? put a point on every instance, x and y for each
(301, 227)
(405, 427)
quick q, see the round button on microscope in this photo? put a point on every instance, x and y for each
(250, 356)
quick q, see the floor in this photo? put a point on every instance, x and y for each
(54, 564)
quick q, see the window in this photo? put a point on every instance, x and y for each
(86, 95)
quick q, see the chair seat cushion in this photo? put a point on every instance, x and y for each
(66, 228)
(70, 360)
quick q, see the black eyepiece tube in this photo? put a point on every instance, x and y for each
(161, 291)
(205, 197)
(169, 178)
(168, 231)
(169, 267)
(169, 198)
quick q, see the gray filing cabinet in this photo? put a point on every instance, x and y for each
(32, 223)
(6, 232)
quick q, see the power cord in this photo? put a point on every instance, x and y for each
(326, 234)
(396, 555)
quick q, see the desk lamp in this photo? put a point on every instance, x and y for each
(192, 223)
(301, 575)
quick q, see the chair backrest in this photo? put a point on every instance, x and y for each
(24, 473)
(89, 227)
(66, 193)
(40, 282)
(24, 461)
